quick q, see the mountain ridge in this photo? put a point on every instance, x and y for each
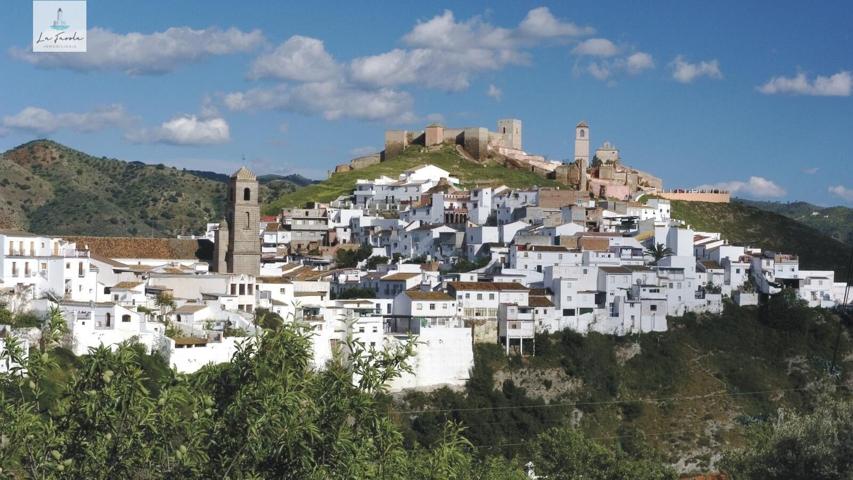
(50, 188)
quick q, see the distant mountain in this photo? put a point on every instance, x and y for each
(837, 222)
(48, 188)
(744, 224)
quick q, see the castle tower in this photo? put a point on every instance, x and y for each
(243, 254)
(582, 142)
(582, 153)
(433, 135)
(510, 128)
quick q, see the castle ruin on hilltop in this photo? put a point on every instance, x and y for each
(604, 175)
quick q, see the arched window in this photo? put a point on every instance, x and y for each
(125, 318)
(109, 320)
(247, 194)
(581, 133)
(248, 221)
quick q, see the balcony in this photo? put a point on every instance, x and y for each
(517, 328)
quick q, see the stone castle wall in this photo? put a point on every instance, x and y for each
(710, 197)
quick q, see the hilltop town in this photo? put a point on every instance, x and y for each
(411, 255)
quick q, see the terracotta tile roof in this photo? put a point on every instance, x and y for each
(106, 260)
(538, 301)
(273, 280)
(140, 247)
(421, 295)
(541, 292)
(546, 248)
(399, 276)
(190, 308)
(491, 286)
(126, 285)
(190, 341)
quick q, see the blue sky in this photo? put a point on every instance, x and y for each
(753, 96)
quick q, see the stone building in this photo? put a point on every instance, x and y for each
(238, 244)
(477, 141)
(606, 176)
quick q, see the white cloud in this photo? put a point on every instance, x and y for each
(758, 187)
(302, 59)
(444, 70)
(685, 72)
(842, 192)
(606, 68)
(637, 62)
(599, 70)
(39, 120)
(811, 171)
(443, 32)
(144, 54)
(333, 100)
(837, 85)
(445, 52)
(185, 130)
(596, 47)
(440, 53)
(541, 23)
(494, 92)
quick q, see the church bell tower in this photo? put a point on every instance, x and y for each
(242, 220)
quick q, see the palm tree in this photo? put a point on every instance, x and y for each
(659, 252)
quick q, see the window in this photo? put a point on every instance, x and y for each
(491, 296)
(432, 306)
(109, 319)
(125, 318)
(568, 312)
(653, 308)
(419, 306)
(479, 296)
(248, 220)
(247, 194)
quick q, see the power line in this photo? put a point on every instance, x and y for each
(603, 402)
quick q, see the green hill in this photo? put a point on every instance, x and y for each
(469, 173)
(688, 393)
(49, 188)
(746, 225)
(837, 222)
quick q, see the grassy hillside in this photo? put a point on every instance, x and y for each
(687, 393)
(470, 174)
(49, 188)
(836, 222)
(746, 225)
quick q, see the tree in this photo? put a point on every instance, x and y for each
(659, 251)
(349, 258)
(564, 453)
(815, 446)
